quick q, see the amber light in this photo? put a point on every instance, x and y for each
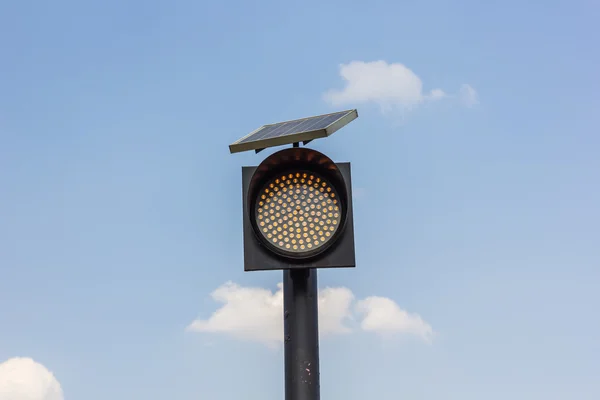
(298, 212)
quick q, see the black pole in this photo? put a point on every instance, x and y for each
(301, 333)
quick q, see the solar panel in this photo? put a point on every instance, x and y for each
(299, 130)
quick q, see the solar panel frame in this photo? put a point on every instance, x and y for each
(283, 133)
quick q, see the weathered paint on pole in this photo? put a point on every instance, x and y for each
(301, 334)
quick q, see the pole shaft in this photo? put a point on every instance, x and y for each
(301, 334)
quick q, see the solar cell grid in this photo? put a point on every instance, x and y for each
(300, 130)
(298, 126)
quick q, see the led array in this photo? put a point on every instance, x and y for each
(298, 212)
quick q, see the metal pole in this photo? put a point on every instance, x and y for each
(301, 333)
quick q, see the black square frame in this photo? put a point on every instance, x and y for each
(258, 257)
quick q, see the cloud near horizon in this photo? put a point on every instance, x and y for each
(256, 314)
(25, 379)
(392, 86)
(384, 316)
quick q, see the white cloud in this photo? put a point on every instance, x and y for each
(382, 315)
(256, 314)
(334, 310)
(437, 94)
(25, 379)
(253, 314)
(391, 86)
(468, 95)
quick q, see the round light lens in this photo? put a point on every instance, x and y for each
(298, 212)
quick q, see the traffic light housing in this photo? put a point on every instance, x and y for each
(298, 212)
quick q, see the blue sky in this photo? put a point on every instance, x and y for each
(120, 206)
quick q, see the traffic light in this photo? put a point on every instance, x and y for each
(297, 212)
(297, 217)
